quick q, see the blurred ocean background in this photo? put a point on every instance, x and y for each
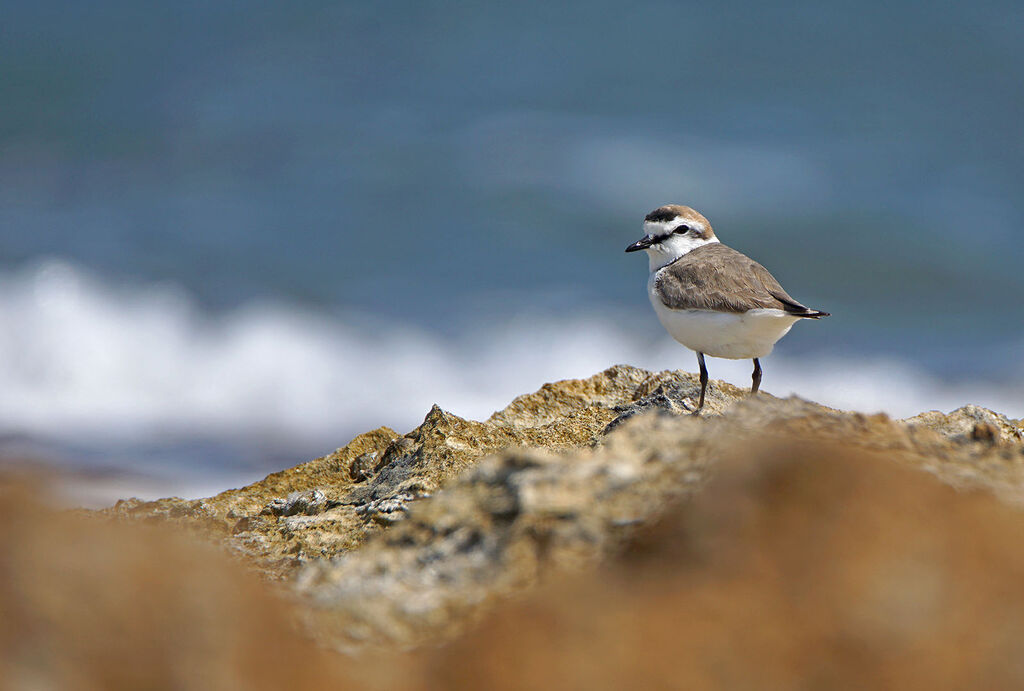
(234, 235)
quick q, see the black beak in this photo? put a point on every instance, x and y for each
(641, 244)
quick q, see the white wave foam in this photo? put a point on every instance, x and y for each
(80, 359)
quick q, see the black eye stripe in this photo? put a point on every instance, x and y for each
(683, 228)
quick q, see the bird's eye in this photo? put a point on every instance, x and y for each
(681, 229)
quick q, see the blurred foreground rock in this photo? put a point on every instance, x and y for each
(814, 567)
(90, 604)
(767, 540)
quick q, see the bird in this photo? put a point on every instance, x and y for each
(711, 298)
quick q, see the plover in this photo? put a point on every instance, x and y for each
(711, 298)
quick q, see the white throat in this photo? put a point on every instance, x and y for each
(673, 247)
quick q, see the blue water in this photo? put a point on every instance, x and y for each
(232, 235)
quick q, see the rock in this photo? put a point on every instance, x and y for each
(363, 467)
(387, 510)
(787, 571)
(401, 539)
(985, 432)
(89, 603)
(405, 469)
(310, 502)
(499, 526)
(971, 423)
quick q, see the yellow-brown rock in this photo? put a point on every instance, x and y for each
(793, 545)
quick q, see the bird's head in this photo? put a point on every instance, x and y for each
(670, 232)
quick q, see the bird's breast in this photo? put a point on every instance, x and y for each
(733, 335)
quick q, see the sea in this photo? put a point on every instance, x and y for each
(233, 235)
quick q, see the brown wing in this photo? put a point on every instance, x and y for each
(716, 277)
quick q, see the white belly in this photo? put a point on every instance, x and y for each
(726, 335)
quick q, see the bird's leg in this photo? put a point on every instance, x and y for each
(703, 380)
(756, 377)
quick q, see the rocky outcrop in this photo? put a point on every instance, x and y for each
(801, 565)
(765, 543)
(404, 538)
(370, 483)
